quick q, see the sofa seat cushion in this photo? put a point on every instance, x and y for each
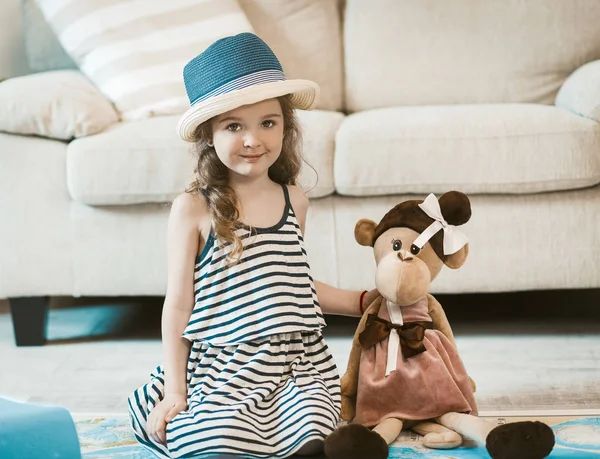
(503, 148)
(146, 161)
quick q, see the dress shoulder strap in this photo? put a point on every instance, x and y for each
(286, 194)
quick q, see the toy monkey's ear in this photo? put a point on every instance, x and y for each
(456, 260)
(364, 231)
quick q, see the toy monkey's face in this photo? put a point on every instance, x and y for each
(404, 272)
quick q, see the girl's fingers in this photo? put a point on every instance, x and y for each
(175, 410)
(158, 419)
(169, 415)
(149, 431)
(152, 428)
(172, 413)
(161, 434)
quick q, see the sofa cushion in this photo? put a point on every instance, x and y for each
(295, 29)
(306, 37)
(581, 92)
(419, 52)
(146, 161)
(61, 105)
(135, 55)
(504, 148)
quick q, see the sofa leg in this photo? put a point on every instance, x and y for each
(29, 316)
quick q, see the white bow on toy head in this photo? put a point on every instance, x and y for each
(454, 240)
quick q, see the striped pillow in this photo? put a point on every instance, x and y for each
(134, 51)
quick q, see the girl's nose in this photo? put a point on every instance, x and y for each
(251, 140)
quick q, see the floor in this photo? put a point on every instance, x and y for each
(529, 351)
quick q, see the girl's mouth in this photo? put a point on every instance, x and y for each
(251, 157)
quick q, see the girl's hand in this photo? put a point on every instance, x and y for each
(162, 414)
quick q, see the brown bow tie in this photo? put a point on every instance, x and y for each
(411, 334)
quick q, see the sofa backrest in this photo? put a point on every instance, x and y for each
(420, 52)
(305, 35)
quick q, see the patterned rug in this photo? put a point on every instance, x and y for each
(110, 437)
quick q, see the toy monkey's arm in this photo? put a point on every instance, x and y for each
(349, 382)
(440, 322)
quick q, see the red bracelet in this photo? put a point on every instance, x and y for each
(360, 305)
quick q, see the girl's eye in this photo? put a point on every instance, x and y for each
(234, 127)
(396, 245)
(414, 250)
(268, 123)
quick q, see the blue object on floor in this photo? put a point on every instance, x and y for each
(36, 432)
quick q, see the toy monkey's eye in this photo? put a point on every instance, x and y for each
(396, 245)
(415, 250)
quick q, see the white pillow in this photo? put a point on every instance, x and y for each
(580, 93)
(62, 104)
(134, 51)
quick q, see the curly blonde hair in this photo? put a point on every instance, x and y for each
(212, 176)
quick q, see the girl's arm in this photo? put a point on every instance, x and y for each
(183, 239)
(343, 302)
(332, 300)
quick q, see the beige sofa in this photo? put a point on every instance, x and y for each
(417, 97)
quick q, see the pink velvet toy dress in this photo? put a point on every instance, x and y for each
(421, 387)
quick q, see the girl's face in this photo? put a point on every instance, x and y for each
(248, 139)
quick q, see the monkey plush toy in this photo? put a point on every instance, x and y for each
(404, 368)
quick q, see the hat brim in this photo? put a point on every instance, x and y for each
(303, 95)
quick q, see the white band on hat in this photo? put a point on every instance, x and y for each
(261, 77)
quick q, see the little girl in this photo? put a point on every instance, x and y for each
(245, 368)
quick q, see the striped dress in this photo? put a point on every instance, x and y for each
(261, 380)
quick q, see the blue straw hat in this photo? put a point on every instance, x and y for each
(235, 71)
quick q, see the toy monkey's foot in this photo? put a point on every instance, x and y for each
(442, 440)
(354, 441)
(520, 440)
